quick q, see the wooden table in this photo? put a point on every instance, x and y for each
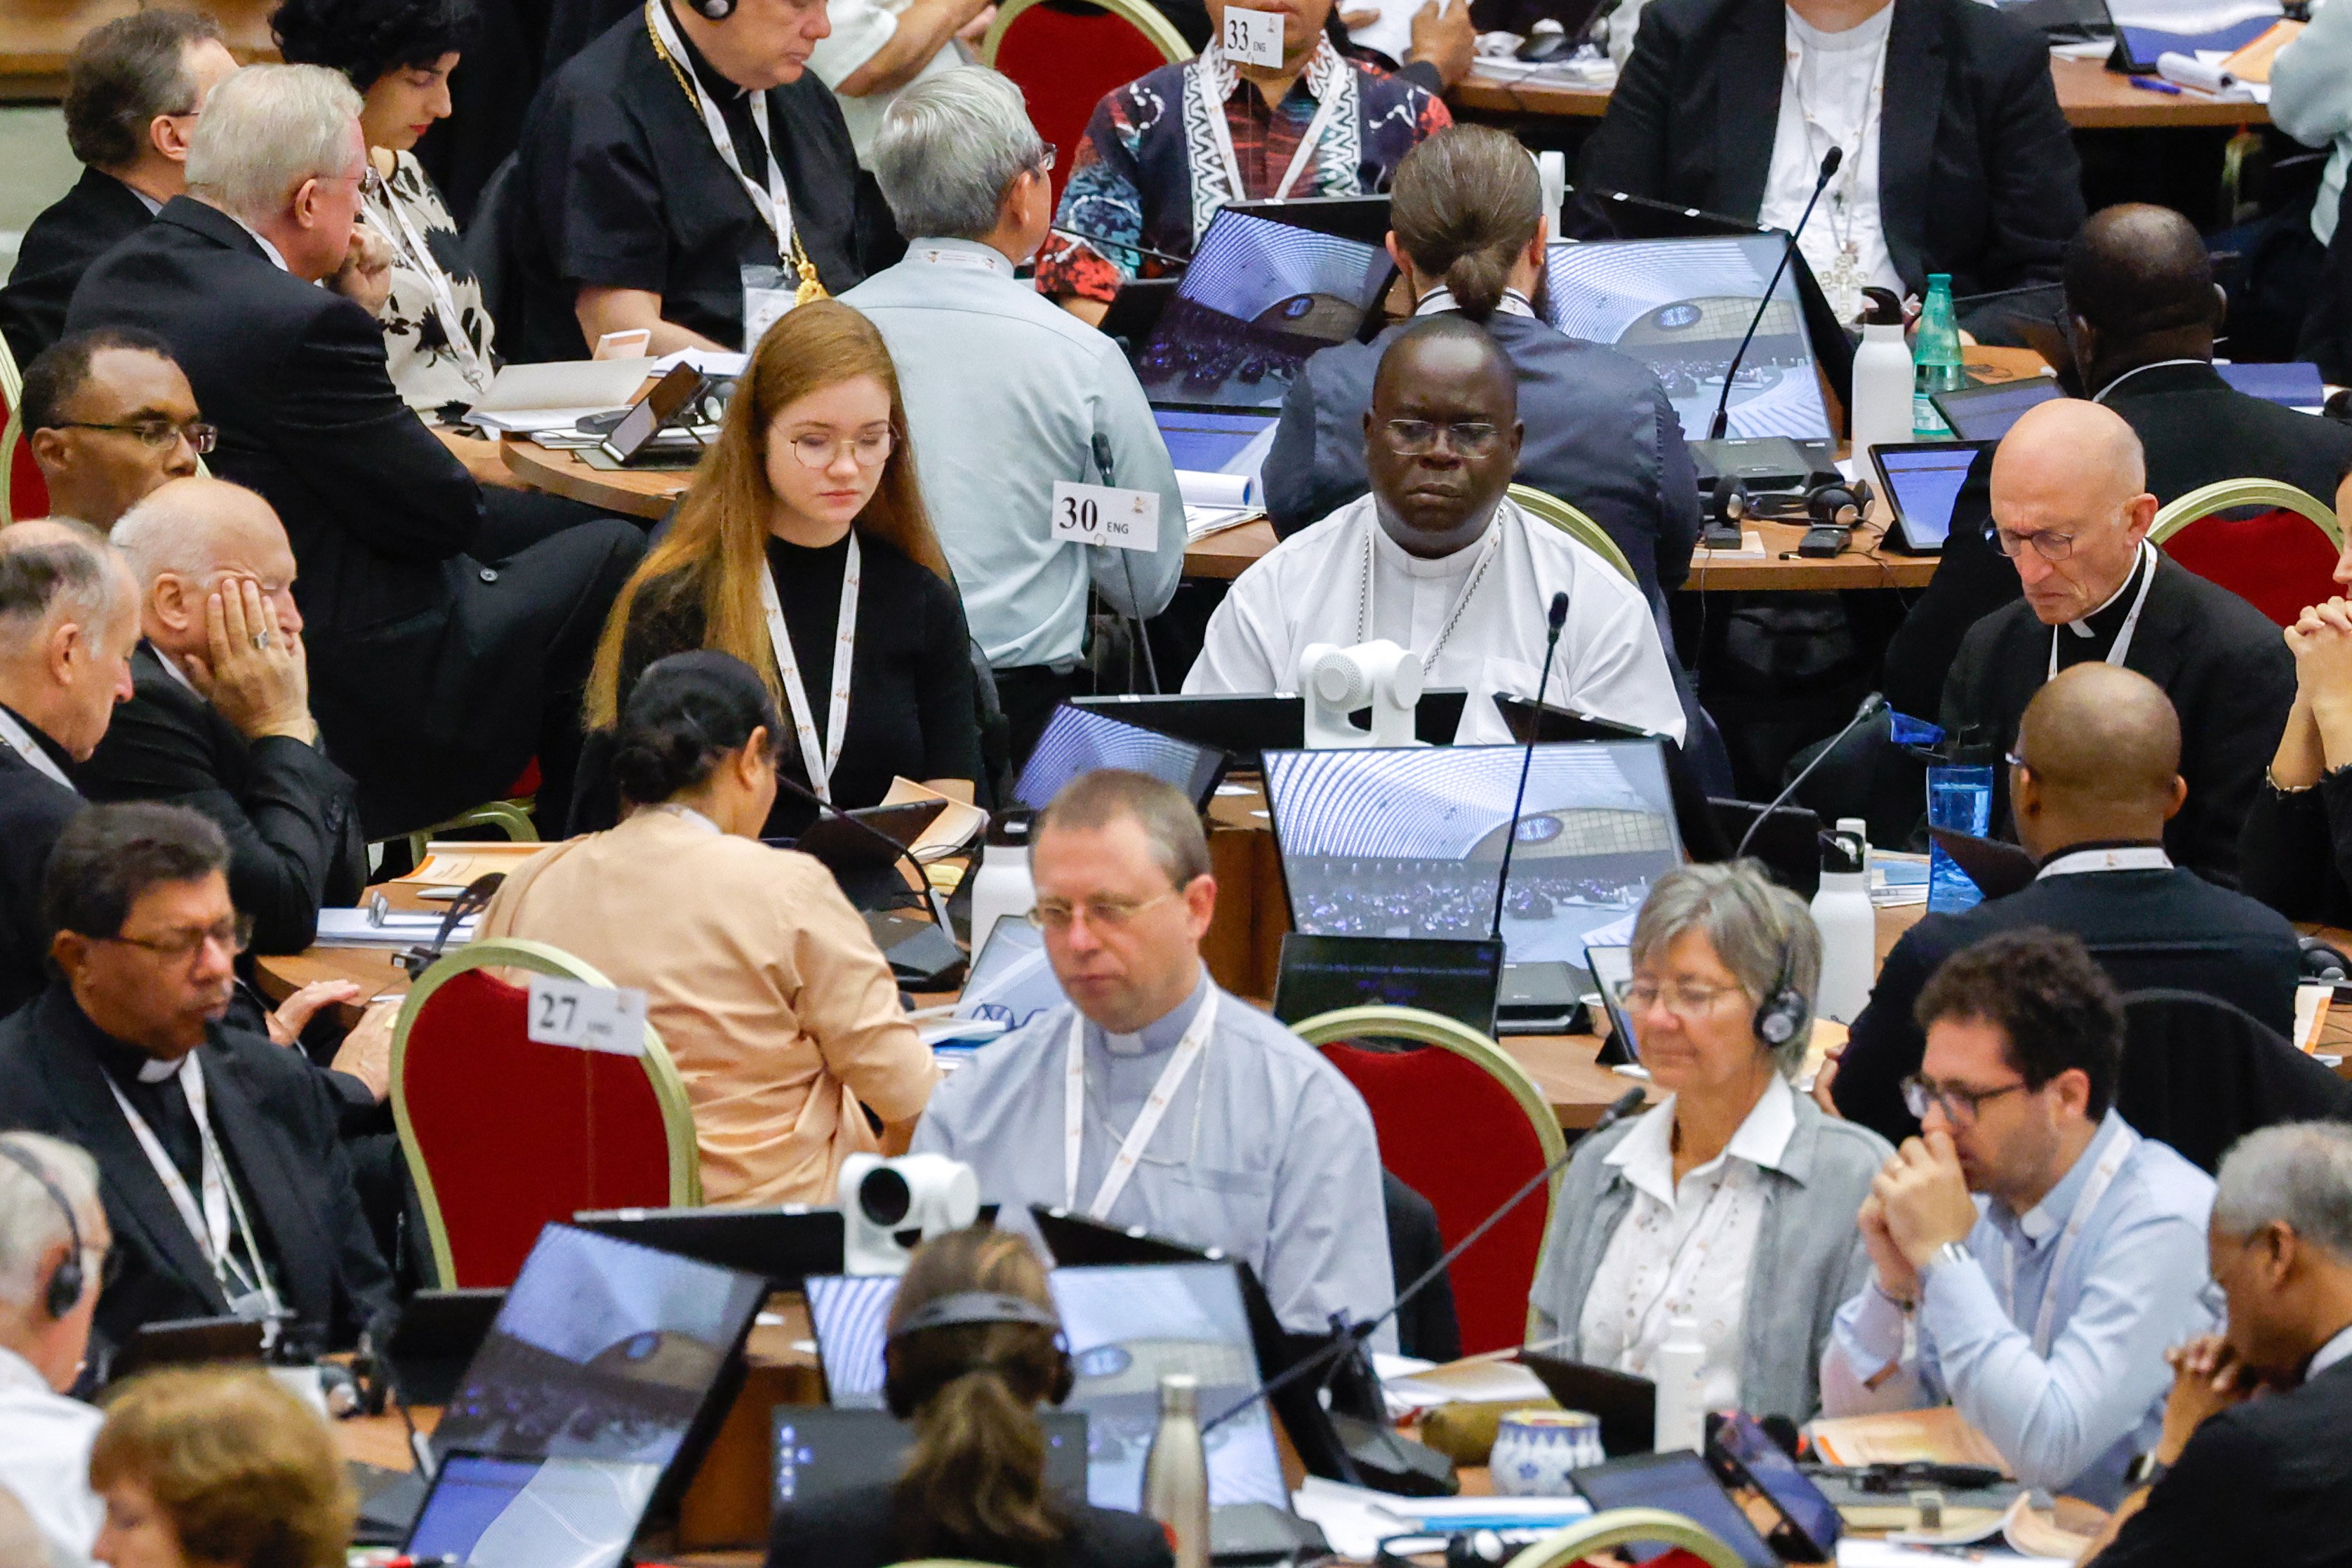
(2092, 97)
(632, 492)
(36, 37)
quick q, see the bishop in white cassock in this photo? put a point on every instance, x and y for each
(1438, 559)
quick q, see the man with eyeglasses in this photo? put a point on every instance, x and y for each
(1155, 1099)
(228, 1189)
(2033, 1256)
(1439, 559)
(2071, 510)
(109, 416)
(55, 1247)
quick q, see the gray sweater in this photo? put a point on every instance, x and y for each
(1809, 1258)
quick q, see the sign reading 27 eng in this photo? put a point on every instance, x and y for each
(1107, 516)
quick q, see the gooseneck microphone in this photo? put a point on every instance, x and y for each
(1557, 617)
(1870, 708)
(936, 905)
(1830, 162)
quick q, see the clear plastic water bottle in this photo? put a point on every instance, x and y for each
(1176, 1471)
(1935, 360)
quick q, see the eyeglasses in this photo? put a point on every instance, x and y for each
(1684, 998)
(1961, 1105)
(104, 1264)
(155, 432)
(870, 448)
(2015, 761)
(1045, 163)
(2048, 545)
(1416, 437)
(183, 944)
(1111, 914)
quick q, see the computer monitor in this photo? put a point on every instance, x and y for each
(1258, 299)
(783, 1246)
(819, 1453)
(1080, 739)
(1012, 981)
(1681, 307)
(603, 1350)
(1921, 484)
(489, 1511)
(1457, 980)
(1216, 441)
(1364, 219)
(851, 1316)
(1381, 842)
(1986, 413)
(2294, 385)
(1246, 725)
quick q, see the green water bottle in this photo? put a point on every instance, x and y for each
(1936, 356)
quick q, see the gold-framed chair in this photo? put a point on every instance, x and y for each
(503, 1135)
(1065, 61)
(1423, 1101)
(1616, 1527)
(1574, 523)
(12, 430)
(2279, 560)
(511, 817)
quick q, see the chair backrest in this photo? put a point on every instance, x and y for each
(1575, 523)
(2278, 559)
(1594, 1537)
(1065, 54)
(1432, 1105)
(2200, 1074)
(504, 1136)
(22, 492)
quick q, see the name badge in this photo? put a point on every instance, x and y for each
(1106, 515)
(586, 1017)
(1252, 37)
(768, 294)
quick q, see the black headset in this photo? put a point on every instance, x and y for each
(713, 10)
(65, 1285)
(1783, 1014)
(968, 1307)
(1834, 505)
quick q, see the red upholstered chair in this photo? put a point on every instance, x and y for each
(503, 1135)
(2280, 559)
(22, 492)
(1065, 55)
(1463, 1125)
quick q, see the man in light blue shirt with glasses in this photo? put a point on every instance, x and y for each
(2039, 1307)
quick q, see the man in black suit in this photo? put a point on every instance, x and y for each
(1956, 158)
(2254, 1465)
(437, 676)
(227, 1185)
(219, 718)
(134, 89)
(2097, 776)
(2071, 511)
(69, 620)
(108, 418)
(2139, 286)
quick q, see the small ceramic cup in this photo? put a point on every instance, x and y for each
(1536, 1451)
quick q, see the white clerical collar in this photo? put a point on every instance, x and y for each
(1436, 568)
(2101, 395)
(1163, 1033)
(2327, 1355)
(1440, 298)
(966, 253)
(2081, 625)
(1646, 1154)
(153, 1070)
(2106, 857)
(277, 258)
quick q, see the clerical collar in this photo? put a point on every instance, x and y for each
(2105, 622)
(1454, 564)
(124, 1062)
(713, 80)
(2335, 1349)
(2101, 395)
(1161, 1035)
(1441, 299)
(33, 743)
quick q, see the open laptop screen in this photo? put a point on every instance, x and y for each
(492, 1512)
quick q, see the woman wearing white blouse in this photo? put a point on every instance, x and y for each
(1731, 1204)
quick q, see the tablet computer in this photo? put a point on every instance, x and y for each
(1613, 971)
(1680, 1483)
(490, 1510)
(1986, 413)
(1921, 482)
(435, 1337)
(1010, 981)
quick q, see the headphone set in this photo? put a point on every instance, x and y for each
(1783, 1014)
(970, 1307)
(1836, 504)
(713, 10)
(66, 1285)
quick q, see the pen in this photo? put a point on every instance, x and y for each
(2151, 84)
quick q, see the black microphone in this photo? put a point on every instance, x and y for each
(1093, 238)
(1557, 617)
(936, 905)
(1871, 707)
(1830, 162)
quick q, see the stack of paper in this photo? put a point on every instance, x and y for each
(400, 928)
(457, 862)
(1590, 70)
(952, 830)
(525, 399)
(1940, 1435)
(1356, 1520)
(1898, 879)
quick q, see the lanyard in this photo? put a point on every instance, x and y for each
(2128, 857)
(1364, 622)
(210, 1227)
(2102, 1176)
(1139, 1137)
(773, 204)
(21, 741)
(421, 260)
(819, 762)
(2100, 396)
(1204, 75)
(2131, 618)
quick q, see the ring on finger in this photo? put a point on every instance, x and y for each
(261, 641)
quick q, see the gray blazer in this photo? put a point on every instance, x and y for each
(1809, 1259)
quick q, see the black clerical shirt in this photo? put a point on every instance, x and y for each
(2087, 641)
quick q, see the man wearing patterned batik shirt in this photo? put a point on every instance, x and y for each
(1162, 154)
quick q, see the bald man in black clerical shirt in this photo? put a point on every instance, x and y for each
(2098, 777)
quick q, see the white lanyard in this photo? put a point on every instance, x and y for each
(1365, 623)
(2100, 396)
(1223, 133)
(210, 1227)
(21, 741)
(421, 260)
(2127, 857)
(774, 204)
(2102, 1176)
(2131, 618)
(819, 762)
(1139, 1137)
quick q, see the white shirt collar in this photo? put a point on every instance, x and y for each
(2101, 395)
(966, 253)
(1646, 1154)
(2327, 1355)
(277, 258)
(1512, 303)
(171, 668)
(154, 1070)
(2110, 857)
(2057, 1205)
(149, 203)
(1396, 557)
(17, 736)
(19, 1375)
(1864, 35)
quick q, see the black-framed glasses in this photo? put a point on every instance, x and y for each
(199, 436)
(2050, 546)
(181, 945)
(1417, 437)
(1960, 1104)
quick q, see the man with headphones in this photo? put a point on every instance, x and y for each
(53, 1247)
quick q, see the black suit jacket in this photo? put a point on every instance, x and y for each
(2220, 661)
(2198, 429)
(1976, 171)
(83, 224)
(276, 1115)
(2147, 929)
(2267, 1482)
(864, 1527)
(34, 809)
(290, 814)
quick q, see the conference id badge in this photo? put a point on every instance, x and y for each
(1107, 516)
(1252, 37)
(585, 1017)
(768, 293)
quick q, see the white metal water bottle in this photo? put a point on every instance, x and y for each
(1681, 1407)
(1176, 1471)
(1001, 885)
(1849, 928)
(1882, 379)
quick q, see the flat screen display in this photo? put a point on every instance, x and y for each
(1456, 980)
(493, 1512)
(1923, 483)
(851, 1314)
(1079, 740)
(1681, 306)
(1208, 441)
(1409, 842)
(1679, 1483)
(1611, 969)
(820, 1452)
(1012, 981)
(1986, 413)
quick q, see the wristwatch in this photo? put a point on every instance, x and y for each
(2146, 1470)
(1950, 1252)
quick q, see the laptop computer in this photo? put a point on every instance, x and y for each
(1246, 725)
(1012, 981)
(491, 1511)
(435, 1337)
(783, 1246)
(1457, 980)
(1986, 413)
(818, 1452)
(1079, 740)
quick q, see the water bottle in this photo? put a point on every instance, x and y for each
(1680, 1422)
(1001, 885)
(1883, 377)
(1176, 1471)
(1849, 929)
(1936, 354)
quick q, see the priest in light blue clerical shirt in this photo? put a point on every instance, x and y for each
(1154, 1099)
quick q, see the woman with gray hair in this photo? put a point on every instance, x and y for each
(1735, 1181)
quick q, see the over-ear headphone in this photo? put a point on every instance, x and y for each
(65, 1285)
(1783, 1014)
(713, 10)
(970, 1307)
(1836, 504)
